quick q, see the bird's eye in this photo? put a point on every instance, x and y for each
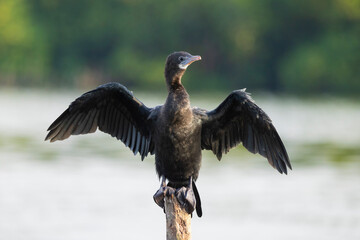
(181, 59)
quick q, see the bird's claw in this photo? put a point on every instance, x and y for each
(186, 198)
(184, 195)
(160, 194)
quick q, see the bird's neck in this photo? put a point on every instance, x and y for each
(178, 101)
(178, 94)
(176, 89)
(173, 80)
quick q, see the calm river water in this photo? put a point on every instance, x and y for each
(92, 187)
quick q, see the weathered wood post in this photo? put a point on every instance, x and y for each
(178, 221)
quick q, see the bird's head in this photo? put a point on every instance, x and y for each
(176, 64)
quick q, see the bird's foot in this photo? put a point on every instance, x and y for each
(159, 196)
(184, 195)
(186, 198)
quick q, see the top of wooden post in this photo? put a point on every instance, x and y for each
(178, 221)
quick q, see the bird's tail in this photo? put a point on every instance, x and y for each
(198, 201)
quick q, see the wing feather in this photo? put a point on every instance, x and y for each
(238, 119)
(114, 110)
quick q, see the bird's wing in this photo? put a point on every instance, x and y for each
(238, 119)
(113, 109)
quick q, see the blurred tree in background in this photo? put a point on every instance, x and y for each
(278, 45)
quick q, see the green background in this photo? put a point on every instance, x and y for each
(293, 47)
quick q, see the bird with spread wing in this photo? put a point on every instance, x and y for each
(175, 132)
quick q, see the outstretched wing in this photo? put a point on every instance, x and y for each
(238, 119)
(113, 109)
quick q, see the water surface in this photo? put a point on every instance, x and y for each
(92, 187)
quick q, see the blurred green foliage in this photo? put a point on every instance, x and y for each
(278, 45)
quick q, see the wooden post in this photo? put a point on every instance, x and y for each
(178, 221)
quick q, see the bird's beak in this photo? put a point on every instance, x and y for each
(191, 59)
(184, 64)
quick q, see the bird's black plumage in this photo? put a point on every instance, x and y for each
(111, 108)
(175, 132)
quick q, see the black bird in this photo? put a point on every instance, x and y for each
(175, 132)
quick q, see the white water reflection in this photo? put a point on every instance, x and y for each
(81, 189)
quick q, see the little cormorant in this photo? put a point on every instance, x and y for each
(175, 132)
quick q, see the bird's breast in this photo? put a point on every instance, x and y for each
(178, 135)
